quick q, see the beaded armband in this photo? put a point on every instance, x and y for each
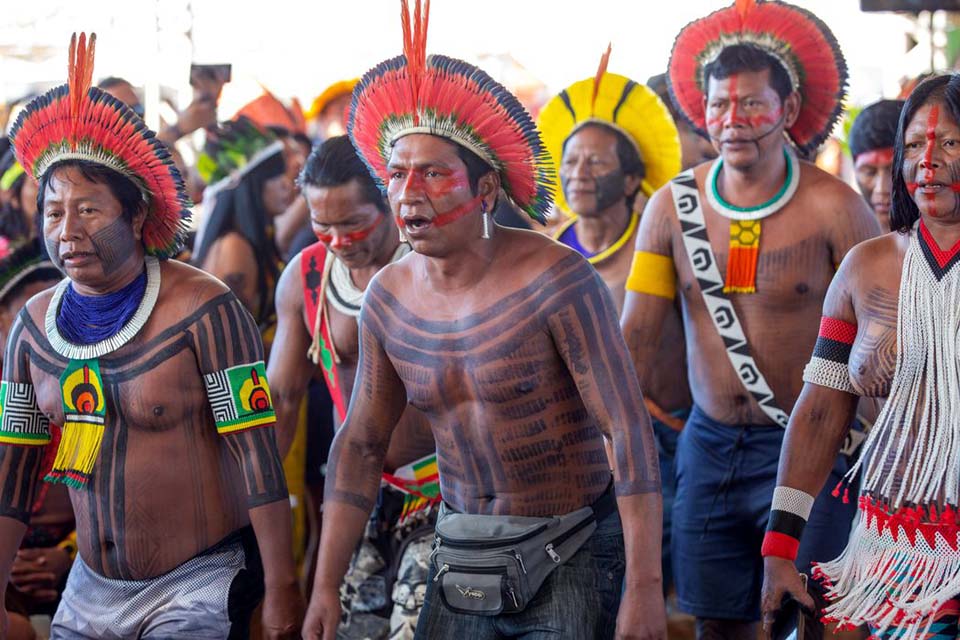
(21, 421)
(789, 512)
(652, 273)
(240, 398)
(828, 366)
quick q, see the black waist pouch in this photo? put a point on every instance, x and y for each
(487, 565)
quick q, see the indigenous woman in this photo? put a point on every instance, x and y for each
(890, 328)
(247, 170)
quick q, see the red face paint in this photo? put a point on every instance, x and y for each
(442, 184)
(735, 115)
(877, 157)
(342, 240)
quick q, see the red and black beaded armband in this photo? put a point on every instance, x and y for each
(828, 366)
(789, 512)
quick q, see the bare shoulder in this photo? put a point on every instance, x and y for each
(185, 288)
(874, 258)
(38, 304)
(832, 193)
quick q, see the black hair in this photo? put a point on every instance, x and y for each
(744, 57)
(335, 162)
(875, 127)
(941, 88)
(630, 161)
(476, 166)
(112, 81)
(122, 187)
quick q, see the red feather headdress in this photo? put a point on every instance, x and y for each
(76, 121)
(416, 93)
(796, 38)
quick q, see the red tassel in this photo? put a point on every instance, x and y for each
(836, 490)
(846, 495)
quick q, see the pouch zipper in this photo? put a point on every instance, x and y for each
(484, 544)
(563, 537)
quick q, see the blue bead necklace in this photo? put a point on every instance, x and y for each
(91, 319)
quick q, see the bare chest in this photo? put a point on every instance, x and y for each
(154, 393)
(794, 264)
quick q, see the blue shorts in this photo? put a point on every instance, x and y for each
(725, 480)
(666, 439)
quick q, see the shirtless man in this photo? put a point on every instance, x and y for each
(509, 344)
(871, 147)
(727, 457)
(163, 503)
(357, 238)
(612, 152)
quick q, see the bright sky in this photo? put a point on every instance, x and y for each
(297, 48)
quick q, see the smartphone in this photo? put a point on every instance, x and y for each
(221, 72)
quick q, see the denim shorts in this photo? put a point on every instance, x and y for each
(579, 600)
(725, 480)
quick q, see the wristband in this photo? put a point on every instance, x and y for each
(789, 512)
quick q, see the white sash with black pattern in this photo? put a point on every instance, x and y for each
(686, 201)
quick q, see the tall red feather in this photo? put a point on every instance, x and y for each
(744, 7)
(602, 69)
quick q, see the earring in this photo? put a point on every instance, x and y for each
(486, 220)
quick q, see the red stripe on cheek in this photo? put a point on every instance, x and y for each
(445, 218)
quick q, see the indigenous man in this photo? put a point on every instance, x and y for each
(871, 146)
(762, 80)
(143, 361)
(508, 342)
(318, 301)
(613, 141)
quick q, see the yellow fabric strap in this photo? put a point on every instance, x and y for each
(654, 274)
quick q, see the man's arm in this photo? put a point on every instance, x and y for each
(817, 428)
(290, 369)
(24, 434)
(588, 338)
(353, 472)
(651, 286)
(230, 354)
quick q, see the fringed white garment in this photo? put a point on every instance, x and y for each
(902, 561)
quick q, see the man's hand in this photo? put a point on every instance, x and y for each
(780, 577)
(39, 572)
(642, 614)
(323, 615)
(282, 612)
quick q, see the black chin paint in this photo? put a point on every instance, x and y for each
(609, 189)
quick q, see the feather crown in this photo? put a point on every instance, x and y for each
(441, 96)
(617, 102)
(77, 121)
(796, 38)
